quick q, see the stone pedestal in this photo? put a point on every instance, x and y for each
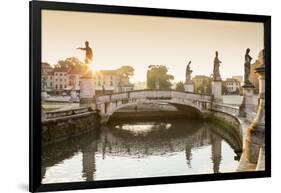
(216, 90)
(73, 95)
(255, 138)
(87, 90)
(247, 105)
(189, 87)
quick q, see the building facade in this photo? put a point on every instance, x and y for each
(59, 81)
(47, 74)
(74, 79)
(231, 86)
(202, 84)
(106, 81)
(239, 78)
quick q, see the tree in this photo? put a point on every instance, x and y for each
(158, 75)
(72, 64)
(126, 71)
(180, 86)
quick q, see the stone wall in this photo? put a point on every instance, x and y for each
(232, 128)
(63, 128)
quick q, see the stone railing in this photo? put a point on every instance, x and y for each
(61, 125)
(151, 94)
(233, 110)
(68, 112)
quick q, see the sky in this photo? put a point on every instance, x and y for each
(140, 41)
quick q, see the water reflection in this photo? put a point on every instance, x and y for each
(142, 149)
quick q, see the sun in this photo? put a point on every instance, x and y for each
(95, 68)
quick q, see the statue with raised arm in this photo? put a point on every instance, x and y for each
(188, 72)
(88, 52)
(216, 70)
(247, 67)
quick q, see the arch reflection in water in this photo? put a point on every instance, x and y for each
(143, 149)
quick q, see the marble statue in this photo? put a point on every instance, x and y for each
(188, 72)
(247, 67)
(88, 52)
(216, 70)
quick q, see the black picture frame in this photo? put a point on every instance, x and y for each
(35, 94)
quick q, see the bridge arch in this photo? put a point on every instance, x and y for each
(156, 110)
(108, 104)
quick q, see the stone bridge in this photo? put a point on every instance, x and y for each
(203, 104)
(108, 104)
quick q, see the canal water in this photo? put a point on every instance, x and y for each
(142, 148)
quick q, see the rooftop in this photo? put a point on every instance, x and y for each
(61, 70)
(231, 80)
(46, 65)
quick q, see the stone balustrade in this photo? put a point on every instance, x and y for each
(108, 104)
(61, 125)
(67, 112)
(232, 110)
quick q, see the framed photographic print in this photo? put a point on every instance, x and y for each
(126, 96)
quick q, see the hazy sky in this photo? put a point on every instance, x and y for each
(140, 41)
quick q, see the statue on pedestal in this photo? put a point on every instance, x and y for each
(247, 67)
(188, 72)
(216, 70)
(44, 84)
(88, 52)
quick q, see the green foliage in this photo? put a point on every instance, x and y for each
(126, 71)
(180, 86)
(72, 64)
(158, 74)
